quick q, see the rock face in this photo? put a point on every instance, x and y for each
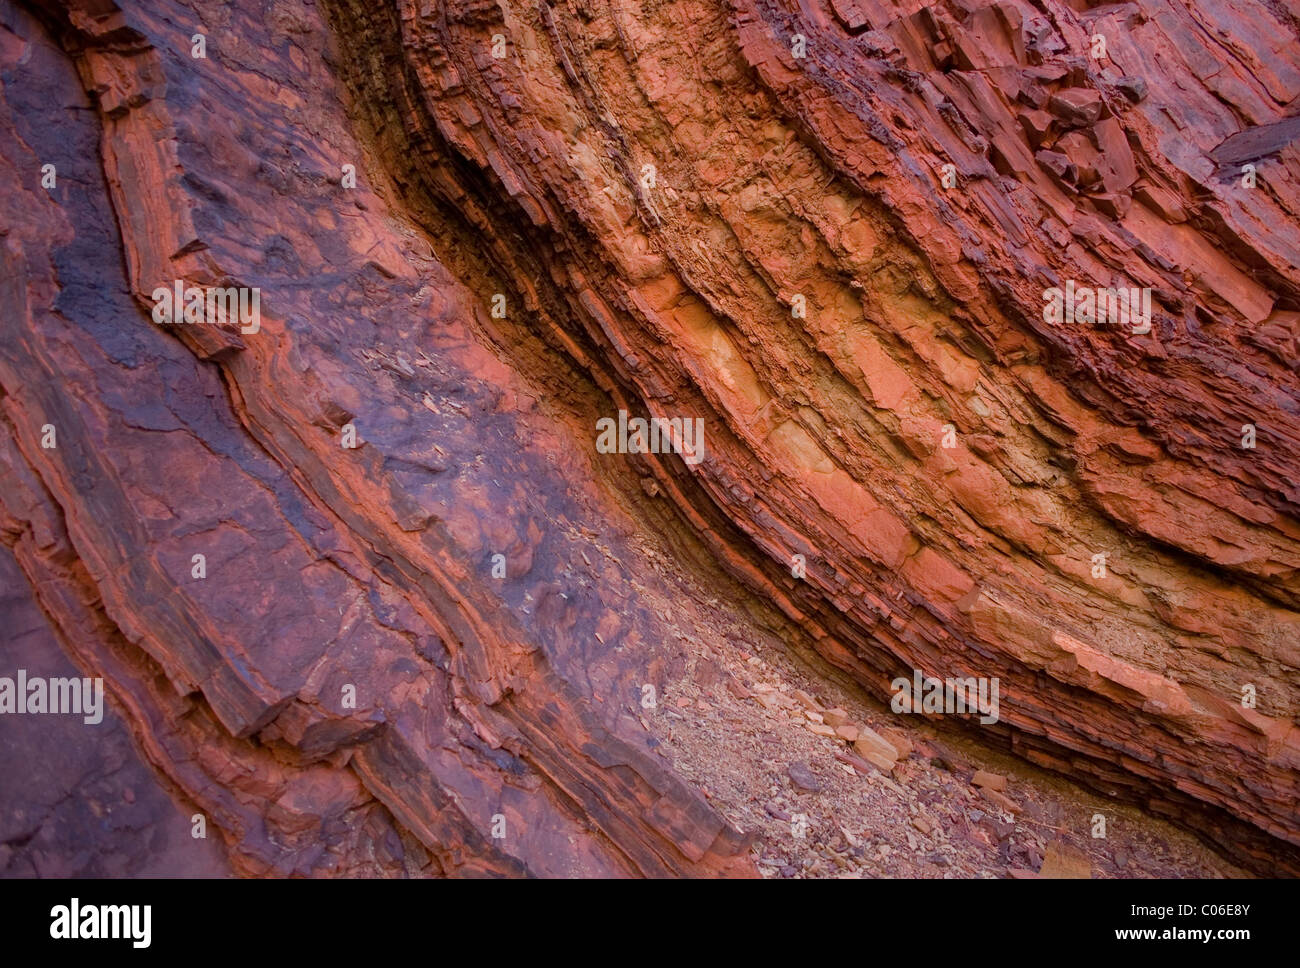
(830, 230)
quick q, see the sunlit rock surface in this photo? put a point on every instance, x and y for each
(828, 229)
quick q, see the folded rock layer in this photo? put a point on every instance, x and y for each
(830, 230)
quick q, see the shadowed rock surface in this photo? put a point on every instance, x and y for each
(685, 219)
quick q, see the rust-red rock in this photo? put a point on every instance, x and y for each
(734, 210)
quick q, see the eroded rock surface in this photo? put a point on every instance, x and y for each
(739, 211)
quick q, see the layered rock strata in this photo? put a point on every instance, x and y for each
(829, 229)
